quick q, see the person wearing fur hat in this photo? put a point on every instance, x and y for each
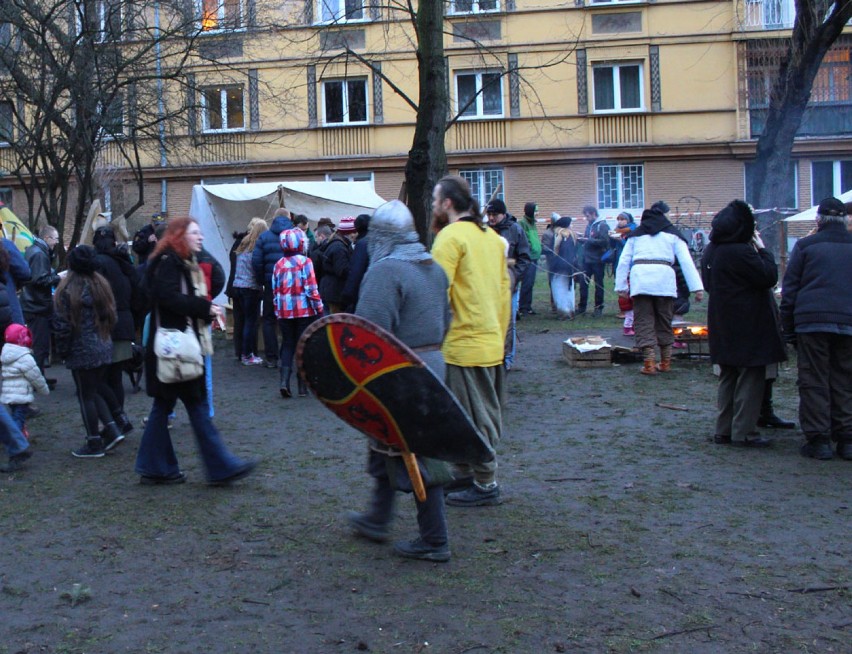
(405, 292)
(84, 316)
(564, 266)
(816, 314)
(21, 376)
(739, 274)
(646, 274)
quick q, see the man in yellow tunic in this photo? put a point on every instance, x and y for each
(474, 259)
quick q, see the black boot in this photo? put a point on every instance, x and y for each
(93, 448)
(123, 422)
(284, 384)
(767, 417)
(111, 435)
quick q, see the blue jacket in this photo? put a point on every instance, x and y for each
(17, 275)
(267, 250)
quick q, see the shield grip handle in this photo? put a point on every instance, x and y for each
(414, 474)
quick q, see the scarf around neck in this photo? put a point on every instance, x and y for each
(199, 287)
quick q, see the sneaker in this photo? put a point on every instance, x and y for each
(476, 495)
(418, 549)
(364, 527)
(16, 461)
(244, 470)
(629, 331)
(679, 345)
(93, 449)
(110, 443)
(177, 478)
(817, 450)
(271, 363)
(252, 360)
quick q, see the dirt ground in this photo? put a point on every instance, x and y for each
(623, 529)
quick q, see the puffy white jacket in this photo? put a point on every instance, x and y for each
(655, 278)
(21, 375)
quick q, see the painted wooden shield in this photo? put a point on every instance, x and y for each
(376, 384)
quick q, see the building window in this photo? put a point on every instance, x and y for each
(483, 183)
(791, 200)
(473, 6)
(479, 95)
(220, 14)
(618, 87)
(621, 186)
(213, 181)
(6, 197)
(830, 178)
(349, 177)
(112, 118)
(108, 17)
(222, 108)
(332, 11)
(345, 101)
(7, 122)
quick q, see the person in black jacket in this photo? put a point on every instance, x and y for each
(596, 243)
(37, 294)
(360, 261)
(177, 287)
(121, 275)
(744, 336)
(336, 261)
(816, 314)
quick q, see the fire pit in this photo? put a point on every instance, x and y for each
(693, 339)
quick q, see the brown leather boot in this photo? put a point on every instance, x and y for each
(650, 367)
(665, 358)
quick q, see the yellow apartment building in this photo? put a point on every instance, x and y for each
(614, 103)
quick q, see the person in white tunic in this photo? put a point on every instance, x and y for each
(647, 264)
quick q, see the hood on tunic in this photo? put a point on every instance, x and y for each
(733, 224)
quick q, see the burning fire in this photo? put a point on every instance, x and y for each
(690, 332)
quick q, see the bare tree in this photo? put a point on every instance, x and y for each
(817, 26)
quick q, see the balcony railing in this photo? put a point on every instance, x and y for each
(619, 129)
(820, 120)
(469, 135)
(769, 14)
(345, 141)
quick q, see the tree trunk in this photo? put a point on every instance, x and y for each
(427, 159)
(812, 37)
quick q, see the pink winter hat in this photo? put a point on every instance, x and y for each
(19, 335)
(346, 225)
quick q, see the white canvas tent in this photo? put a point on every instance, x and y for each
(223, 209)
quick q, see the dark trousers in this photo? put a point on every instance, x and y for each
(249, 301)
(825, 386)
(431, 518)
(527, 285)
(652, 320)
(270, 324)
(739, 398)
(238, 318)
(93, 399)
(592, 271)
(291, 332)
(39, 325)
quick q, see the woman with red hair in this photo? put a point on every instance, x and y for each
(178, 292)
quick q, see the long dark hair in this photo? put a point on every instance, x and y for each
(70, 292)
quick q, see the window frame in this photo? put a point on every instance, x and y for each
(223, 107)
(344, 81)
(479, 103)
(474, 8)
(620, 205)
(222, 21)
(482, 187)
(616, 66)
(103, 112)
(339, 16)
(8, 142)
(350, 177)
(6, 197)
(836, 177)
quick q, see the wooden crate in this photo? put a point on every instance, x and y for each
(601, 358)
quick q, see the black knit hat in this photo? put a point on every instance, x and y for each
(564, 222)
(831, 207)
(496, 206)
(82, 259)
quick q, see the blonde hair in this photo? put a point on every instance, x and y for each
(256, 227)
